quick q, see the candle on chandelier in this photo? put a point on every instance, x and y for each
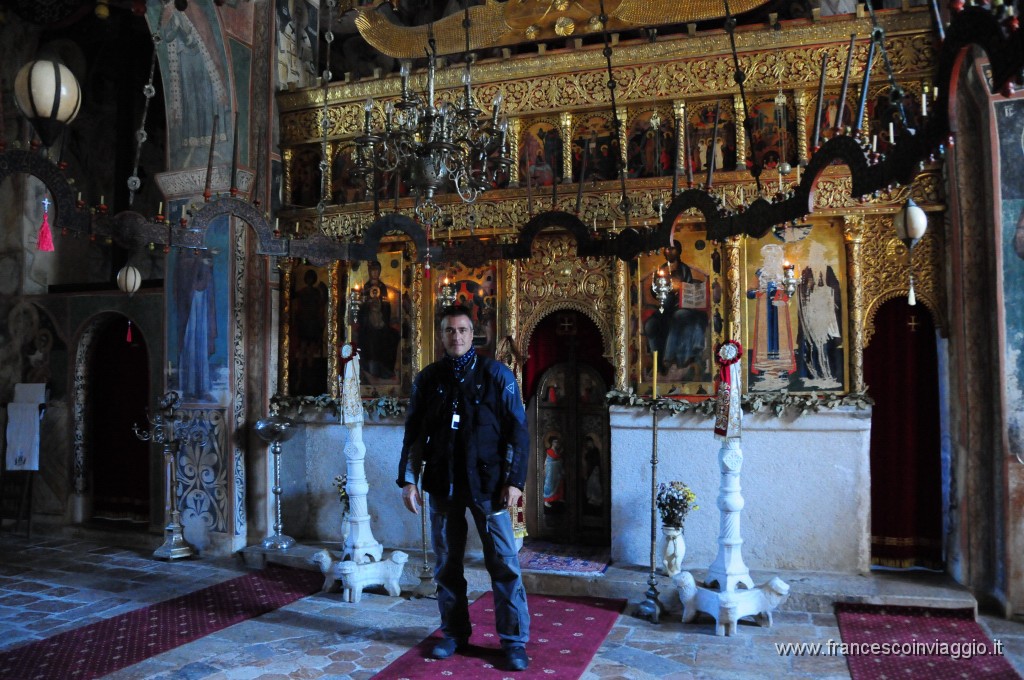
(654, 387)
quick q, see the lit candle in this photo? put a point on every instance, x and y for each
(654, 388)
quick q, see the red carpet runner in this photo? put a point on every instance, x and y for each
(917, 642)
(565, 633)
(106, 646)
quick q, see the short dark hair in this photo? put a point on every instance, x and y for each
(455, 310)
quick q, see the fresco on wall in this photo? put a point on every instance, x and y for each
(197, 323)
(195, 86)
(307, 346)
(296, 43)
(1009, 117)
(796, 342)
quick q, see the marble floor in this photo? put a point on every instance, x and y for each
(50, 584)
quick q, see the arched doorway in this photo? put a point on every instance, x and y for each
(901, 371)
(568, 494)
(118, 395)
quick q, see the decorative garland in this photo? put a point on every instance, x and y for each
(379, 407)
(771, 403)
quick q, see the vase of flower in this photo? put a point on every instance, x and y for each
(675, 550)
(674, 501)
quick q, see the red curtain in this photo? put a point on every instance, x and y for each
(548, 347)
(901, 371)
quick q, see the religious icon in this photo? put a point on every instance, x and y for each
(540, 155)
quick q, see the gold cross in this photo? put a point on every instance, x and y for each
(913, 323)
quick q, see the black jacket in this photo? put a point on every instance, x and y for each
(492, 439)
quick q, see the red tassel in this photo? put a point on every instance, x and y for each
(129, 337)
(45, 240)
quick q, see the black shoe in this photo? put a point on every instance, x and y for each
(516, 659)
(446, 647)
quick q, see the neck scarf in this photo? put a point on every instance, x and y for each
(459, 364)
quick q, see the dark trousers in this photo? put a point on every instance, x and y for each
(448, 536)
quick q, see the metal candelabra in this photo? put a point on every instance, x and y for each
(426, 586)
(166, 429)
(651, 608)
(274, 430)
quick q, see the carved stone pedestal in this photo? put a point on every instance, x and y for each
(721, 596)
(360, 545)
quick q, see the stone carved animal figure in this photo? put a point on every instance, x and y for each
(731, 606)
(355, 577)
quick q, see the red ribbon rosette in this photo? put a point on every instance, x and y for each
(728, 355)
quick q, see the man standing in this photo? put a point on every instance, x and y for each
(466, 430)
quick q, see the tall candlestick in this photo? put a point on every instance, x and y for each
(714, 142)
(821, 101)
(654, 388)
(859, 120)
(838, 122)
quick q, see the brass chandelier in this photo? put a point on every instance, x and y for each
(431, 146)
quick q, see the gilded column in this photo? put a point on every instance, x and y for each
(734, 286)
(285, 265)
(286, 171)
(565, 123)
(332, 331)
(510, 325)
(620, 328)
(853, 234)
(416, 323)
(327, 181)
(514, 131)
(679, 107)
(740, 115)
(800, 101)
